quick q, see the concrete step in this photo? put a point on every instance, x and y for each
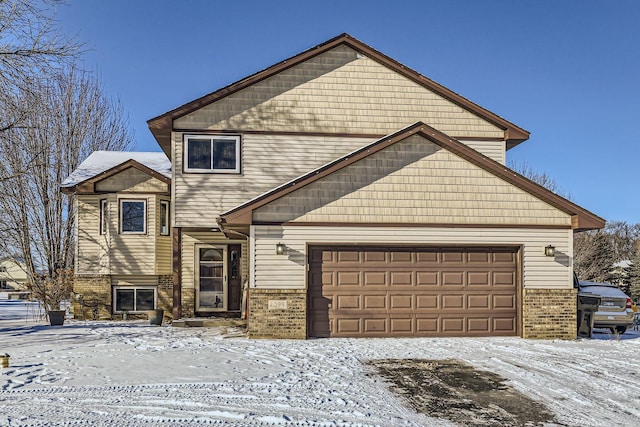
(209, 322)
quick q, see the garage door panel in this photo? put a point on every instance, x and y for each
(427, 278)
(502, 302)
(375, 278)
(374, 256)
(452, 325)
(376, 326)
(344, 302)
(504, 278)
(427, 302)
(348, 325)
(401, 326)
(348, 278)
(347, 256)
(373, 302)
(452, 278)
(401, 302)
(479, 278)
(412, 291)
(400, 257)
(427, 325)
(401, 278)
(450, 302)
(478, 324)
(504, 325)
(427, 257)
(481, 302)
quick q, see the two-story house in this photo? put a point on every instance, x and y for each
(338, 193)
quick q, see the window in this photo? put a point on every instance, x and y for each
(132, 299)
(216, 153)
(103, 216)
(133, 214)
(164, 217)
(3, 284)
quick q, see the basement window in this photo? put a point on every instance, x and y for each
(134, 299)
(212, 154)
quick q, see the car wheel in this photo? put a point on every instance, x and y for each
(620, 329)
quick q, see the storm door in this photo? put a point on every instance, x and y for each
(211, 278)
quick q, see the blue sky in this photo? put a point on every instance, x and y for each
(567, 71)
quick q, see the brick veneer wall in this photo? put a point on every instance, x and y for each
(188, 301)
(549, 313)
(96, 295)
(165, 294)
(289, 322)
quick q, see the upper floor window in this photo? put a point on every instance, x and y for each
(103, 216)
(164, 217)
(214, 153)
(133, 215)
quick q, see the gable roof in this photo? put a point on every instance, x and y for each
(161, 126)
(582, 219)
(104, 164)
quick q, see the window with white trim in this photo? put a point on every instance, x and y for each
(164, 217)
(133, 216)
(134, 299)
(212, 153)
(103, 216)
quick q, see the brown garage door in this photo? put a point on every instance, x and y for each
(375, 291)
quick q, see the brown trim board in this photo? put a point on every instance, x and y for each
(88, 186)
(582, 218)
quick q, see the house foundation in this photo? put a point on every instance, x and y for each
(549, 313)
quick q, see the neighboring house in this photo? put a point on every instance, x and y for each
(13, 275)
(349, 195)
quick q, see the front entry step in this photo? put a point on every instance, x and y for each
(209, 323)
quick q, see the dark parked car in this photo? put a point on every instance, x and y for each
(615, 311)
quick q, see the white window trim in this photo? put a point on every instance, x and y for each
(134, 288)
(185, 159)
(144, 228)
(167, 217)
(103, 216)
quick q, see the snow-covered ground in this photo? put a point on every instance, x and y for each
(131, 373)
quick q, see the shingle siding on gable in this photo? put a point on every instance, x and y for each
(132, 180)
(412, 181)
(337, 92)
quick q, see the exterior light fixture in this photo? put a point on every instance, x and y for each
(550, 250)
(280, 249)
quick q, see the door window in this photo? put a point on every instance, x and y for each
(211, 279)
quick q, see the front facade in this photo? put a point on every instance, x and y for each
(337, 193)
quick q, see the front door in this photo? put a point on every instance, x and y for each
(211, 278)
(218, 277)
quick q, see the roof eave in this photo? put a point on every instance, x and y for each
(162, 125)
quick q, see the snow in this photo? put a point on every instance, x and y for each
(101, 161)
(130, 373)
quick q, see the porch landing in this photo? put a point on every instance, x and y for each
(209, 322)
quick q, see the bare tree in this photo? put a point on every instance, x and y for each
(593, 255)
(541, 178)
(73, 119)
(31, 45)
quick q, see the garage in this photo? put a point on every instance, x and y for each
(371, 291)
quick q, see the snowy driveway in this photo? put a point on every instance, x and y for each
(127, 374)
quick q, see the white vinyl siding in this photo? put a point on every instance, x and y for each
(271, 271)
(267, 161)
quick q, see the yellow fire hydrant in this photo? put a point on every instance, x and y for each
(4, 360)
